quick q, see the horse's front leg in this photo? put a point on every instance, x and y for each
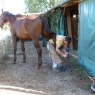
(39, 51)
(15, 48)
(23, 50)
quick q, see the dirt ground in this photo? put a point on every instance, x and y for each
(26, 79)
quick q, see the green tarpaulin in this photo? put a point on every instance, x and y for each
(86, 44)
(60, 23)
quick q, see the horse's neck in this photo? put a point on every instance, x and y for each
(11, 20)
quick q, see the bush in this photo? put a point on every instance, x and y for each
(52, 18)
(6, 26)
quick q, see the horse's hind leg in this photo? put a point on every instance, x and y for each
(23, 50)
(15, 48)
(39, 51)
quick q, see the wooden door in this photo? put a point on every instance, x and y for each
(74, 26)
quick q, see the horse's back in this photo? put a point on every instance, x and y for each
(26, 26)
(33, 26)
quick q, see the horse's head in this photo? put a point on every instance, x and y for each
(3, 19)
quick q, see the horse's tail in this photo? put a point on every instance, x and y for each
(46, 25)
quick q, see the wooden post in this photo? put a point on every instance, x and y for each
(69, 25)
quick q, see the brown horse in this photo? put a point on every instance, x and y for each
(25, 28)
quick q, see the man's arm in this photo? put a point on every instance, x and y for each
(59, 52)
(65, 47)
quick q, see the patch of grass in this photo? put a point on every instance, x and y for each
(1, 59)
(83, 78)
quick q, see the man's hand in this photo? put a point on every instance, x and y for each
(64, 55)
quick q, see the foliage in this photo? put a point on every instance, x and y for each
(6, 26)
(34, 6)
(52, 18)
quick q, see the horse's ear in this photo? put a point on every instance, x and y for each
(2, 10)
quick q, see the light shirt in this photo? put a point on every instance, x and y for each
(59, 40)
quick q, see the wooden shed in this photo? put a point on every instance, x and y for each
(70, 13)
(79, 19)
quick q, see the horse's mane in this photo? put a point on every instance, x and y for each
(8, 14)
(21, 15)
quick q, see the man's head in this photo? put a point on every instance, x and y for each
(67, 40)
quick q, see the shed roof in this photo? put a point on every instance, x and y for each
(64, 3)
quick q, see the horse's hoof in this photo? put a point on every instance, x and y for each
(38, 67)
